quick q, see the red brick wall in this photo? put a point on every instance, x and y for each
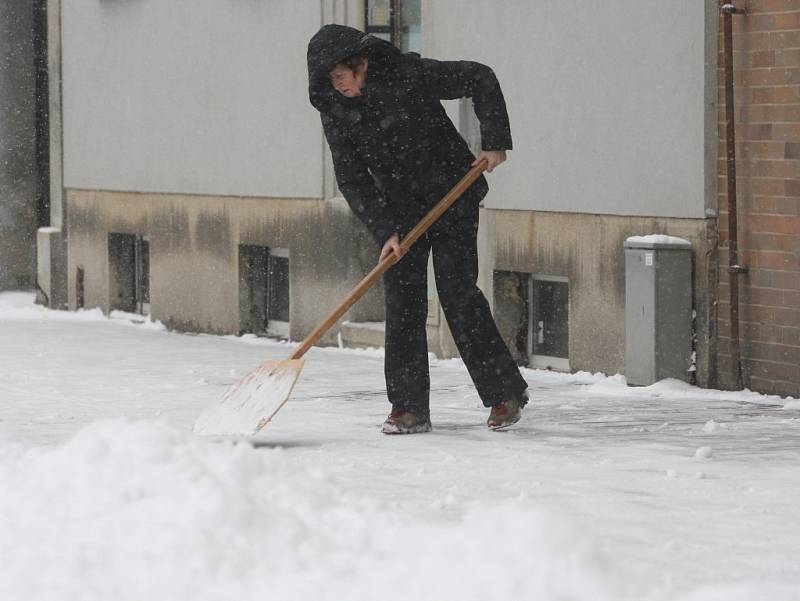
(766, 43)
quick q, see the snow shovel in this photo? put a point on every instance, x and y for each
(251, 403)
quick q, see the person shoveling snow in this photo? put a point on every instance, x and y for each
(396, 154)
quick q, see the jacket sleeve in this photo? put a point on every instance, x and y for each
(358, 186)
(448, 80)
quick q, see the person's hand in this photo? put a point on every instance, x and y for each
(493, 158)
(392, 245)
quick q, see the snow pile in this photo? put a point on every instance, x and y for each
(134, 319)
(712, 426)
(144, 511)
(677, 389)
(658, 239)
(704, 453)
(21, 306)
(610, 385)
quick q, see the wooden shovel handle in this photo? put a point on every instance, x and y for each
(414, 235)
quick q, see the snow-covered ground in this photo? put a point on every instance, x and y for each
(601, 492)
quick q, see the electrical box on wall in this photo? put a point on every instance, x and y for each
(658, 309)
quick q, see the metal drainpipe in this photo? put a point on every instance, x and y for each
(734, 269)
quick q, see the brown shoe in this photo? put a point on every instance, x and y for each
(405, 422)
(506, 414)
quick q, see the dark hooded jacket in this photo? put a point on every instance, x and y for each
(395, 150)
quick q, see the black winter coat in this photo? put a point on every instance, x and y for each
(395, 150)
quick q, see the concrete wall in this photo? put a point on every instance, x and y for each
(194, 241)
(190, 96)
(588, 250)
(612, 107)
(17, 146)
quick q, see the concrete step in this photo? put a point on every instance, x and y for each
(371, 334)
(363, 334)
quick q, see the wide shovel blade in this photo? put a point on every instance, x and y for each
(252, 402)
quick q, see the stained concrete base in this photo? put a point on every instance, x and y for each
(194, 250)
(194, 280)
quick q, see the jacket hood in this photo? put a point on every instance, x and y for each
(331, 45)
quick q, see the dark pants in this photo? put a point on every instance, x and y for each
(453, 241)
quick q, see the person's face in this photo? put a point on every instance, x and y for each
(346, 81)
